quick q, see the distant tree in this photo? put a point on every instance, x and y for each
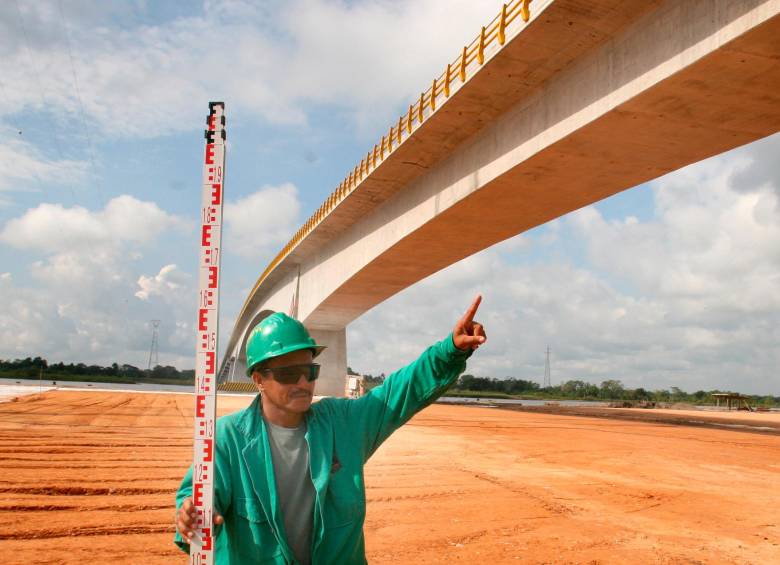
(464, 381)
(611, 390)
(164, 372)
(662, 395)
(130, 371)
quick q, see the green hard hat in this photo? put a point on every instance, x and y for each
(276, 335)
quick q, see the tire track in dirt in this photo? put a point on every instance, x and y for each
(146, 479)
(65, 508)
(87, 531)
(45, 465)
(423, 496)
(83, 491)
(549, 505)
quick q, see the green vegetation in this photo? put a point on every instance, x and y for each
(34, 368)
(607, 391)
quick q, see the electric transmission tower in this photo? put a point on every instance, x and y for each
(154, 349)
(547, 382)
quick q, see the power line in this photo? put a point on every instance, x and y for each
(9, 105)
(547, 383)
(37, 76)
(85, 128)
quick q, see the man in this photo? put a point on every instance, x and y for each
(289, 484)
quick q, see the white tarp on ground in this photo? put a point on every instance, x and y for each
(7, 392)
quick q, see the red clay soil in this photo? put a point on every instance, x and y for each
(90, 477)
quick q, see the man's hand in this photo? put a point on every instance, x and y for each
(185, 519)
(469, 334)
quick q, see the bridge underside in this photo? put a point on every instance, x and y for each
(683, 82)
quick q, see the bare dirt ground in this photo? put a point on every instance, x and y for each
(757, 422)
(90, 477)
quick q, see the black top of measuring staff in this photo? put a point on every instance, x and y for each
(209, 134)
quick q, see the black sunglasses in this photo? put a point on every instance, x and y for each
(292, 373)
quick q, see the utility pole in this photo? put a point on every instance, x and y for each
(547, 383)
(154, 352)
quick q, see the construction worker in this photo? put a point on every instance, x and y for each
(289, 485)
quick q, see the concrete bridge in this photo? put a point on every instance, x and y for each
(531, 121)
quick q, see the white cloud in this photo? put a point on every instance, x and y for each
(52, 228)
(275, 61)
(84, 301)
(710, 244)
(259, 224)
(22, 167)
(168, 283)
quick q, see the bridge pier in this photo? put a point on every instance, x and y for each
(333, 361)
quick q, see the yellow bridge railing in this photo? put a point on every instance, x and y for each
(455, 74)
(246, 387)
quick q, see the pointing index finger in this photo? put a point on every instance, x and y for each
(469, 315)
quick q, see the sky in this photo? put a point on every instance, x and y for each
(102, 110)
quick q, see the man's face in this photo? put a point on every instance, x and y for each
(294, 398)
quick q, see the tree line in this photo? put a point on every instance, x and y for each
(35, 367)
(608, 390)
(581, 390)
(612, 390)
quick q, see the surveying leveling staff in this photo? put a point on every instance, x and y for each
(289, 473)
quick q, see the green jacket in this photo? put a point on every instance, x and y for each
(342, 434)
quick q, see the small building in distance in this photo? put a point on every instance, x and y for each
(732, 401)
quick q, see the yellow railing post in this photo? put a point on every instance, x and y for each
(481, 49)
(400, 127)
(463, 62)
(433, 96)
(447, 82)
(502, 26)
(420, 109)
(382, 149)
(524, 11)
(409, 120)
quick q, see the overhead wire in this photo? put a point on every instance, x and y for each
(64, 28)
(85, 127)
(9, 105)
(52, 127)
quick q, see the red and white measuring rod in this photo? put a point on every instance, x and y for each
(203, 467)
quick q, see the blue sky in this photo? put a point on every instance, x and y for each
(102, 107)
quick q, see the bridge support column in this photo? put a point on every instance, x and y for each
(333, 361)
